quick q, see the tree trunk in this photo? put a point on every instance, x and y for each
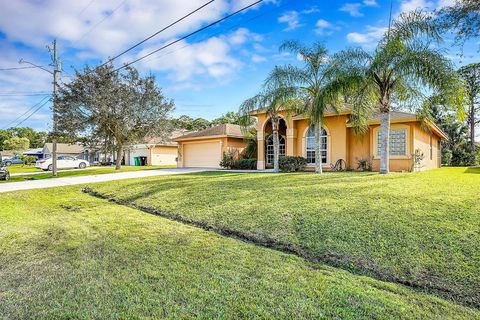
(318, 155)
(276, 145)
(384, 142)
(118, 161)
(472, 125)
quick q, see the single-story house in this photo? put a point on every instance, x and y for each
(5, 154)
(37, 152)
(205, 148)
(155, 151)
(297, 138)
(63, 149)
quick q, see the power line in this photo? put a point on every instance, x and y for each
(158, 32)
(86, 7)
(222, 31)
(102, 20)
(29, 109)
(188, 35)
(24, 94)
(35, 111)
(16, 68)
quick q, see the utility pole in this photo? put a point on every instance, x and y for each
(57, 68)
(56, 71)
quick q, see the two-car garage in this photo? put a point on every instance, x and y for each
(202, 154)
(204, 149)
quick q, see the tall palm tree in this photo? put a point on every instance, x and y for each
(312, 85)
(402, 68)
(274, 97)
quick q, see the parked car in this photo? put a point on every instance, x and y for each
(4, 173)
(14, 160)
(63, 162)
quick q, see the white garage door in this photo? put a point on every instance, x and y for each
(202, 155)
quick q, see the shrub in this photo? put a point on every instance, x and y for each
(228, 158)
(364, 165)
(28, 160)
(292, 164)
(244, 164)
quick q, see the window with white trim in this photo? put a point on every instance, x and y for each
(269, 148)
(398, 142)
(311, 145)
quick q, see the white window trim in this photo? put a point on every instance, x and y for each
(326, 150)
(392, 127)
(266, 147)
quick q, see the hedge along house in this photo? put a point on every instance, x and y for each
(205, 148)
(338, 141)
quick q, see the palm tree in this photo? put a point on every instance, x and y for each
(312, 85)
(274, 97)
(403, 63)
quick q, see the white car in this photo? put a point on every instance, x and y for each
(63, 162)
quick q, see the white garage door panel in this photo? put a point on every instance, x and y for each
(202, 155)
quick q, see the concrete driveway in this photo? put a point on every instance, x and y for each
(68, 181)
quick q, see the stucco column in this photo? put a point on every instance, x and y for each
(150, 155)
(291, 137)
(260, 151)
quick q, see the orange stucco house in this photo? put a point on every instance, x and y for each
(297, 138)
(205, 148)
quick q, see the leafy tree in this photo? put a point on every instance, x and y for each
(37, 138)
(471, 75)
(16, 144)
(275, 96)
(120, 107)
(312, 85)
(4, 135)
(463, 18)
(403, 62)
(230, 117)
(455, 150)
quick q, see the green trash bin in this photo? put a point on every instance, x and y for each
(136, 161)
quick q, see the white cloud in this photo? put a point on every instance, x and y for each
(412, 5)
(370, 3)
(35, 23)
(324, 27)
(212, 57)
(291, 18)
(368, 38)
(258, 58)
(353, 9)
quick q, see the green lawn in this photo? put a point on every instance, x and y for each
(18, 168)
(419, 229)
(81, 172)
(65, 254)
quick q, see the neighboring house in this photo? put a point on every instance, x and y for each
(6, 154)
(204, 149)
(63, 149)
(155, 151)
(297, 138)
(38, 152)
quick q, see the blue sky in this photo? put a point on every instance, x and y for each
(207, 75)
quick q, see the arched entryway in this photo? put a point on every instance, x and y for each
(282, 134)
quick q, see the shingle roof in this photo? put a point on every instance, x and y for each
(394, 115)
(66, 148)
(166, 141)
(227, 129)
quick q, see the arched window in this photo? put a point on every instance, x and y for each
(311, 145)
(269, 148)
